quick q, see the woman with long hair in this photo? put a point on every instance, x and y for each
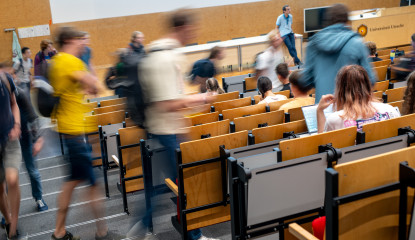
(408, 106)
(264, 86)
(353, 102)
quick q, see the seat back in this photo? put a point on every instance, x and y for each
(395, 94)
(112, 108)
(276, 132)
(381, 86)
(374, 217)
(204, 118)
(203, 183)
(131, 157)
(226, 96)
(235, 103)
(243, 111)
(388, 128)
(285, 93)
(250, 84)
(114, 101)
(381, 72)
(305, 146)
(207, 130)
(296, 114)
(254, 121)
(385, 62)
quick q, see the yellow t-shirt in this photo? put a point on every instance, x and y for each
(298, 102)
(70, 111)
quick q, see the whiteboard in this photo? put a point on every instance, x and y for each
(80, 10)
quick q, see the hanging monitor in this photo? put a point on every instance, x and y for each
(314, 19)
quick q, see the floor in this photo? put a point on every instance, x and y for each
(80, 221)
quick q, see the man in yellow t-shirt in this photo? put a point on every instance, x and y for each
(300, 94)
(71, 81)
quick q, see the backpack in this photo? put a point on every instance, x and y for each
(125, 72)
(21, 65)
(43, 99)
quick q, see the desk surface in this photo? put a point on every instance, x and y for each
(228, 44)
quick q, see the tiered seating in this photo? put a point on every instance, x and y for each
(129, 161)
(393, 95)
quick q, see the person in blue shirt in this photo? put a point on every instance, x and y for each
(284, 23)
(331, 49)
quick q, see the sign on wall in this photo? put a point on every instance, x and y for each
(81, 10)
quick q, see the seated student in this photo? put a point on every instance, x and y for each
(264, 86)
(408, 106)
(212, 87)
(301, 97)
(282, 74)
(372, 52)
(353, 102)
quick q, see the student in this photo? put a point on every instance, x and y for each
(267, 61)
(212, 87)
(301, 97)
(43, 57)
(282, 73)
(206, 68)
(372, 52)
(22, 68)
(408, 106)
(331, 49)
(10, 153)
(353, 102)
(70, 78)
(264, 86)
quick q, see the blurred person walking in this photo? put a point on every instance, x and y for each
(10, 153)
(86, 55)
(162, 80)
(332, 48)
(71, 80)
(270, 58)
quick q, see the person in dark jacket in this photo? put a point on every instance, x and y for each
(332, 48)
(43, 57)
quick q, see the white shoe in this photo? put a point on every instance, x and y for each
(206, 238)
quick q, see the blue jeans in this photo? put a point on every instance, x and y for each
(289, 41)
(171, 142)
(26, 145)
(78, 153)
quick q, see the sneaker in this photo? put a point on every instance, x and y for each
(109, 236)
(68, 236)
(18, 237)
(41, 205)
(206, 238)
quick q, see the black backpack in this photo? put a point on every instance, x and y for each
(43, 97)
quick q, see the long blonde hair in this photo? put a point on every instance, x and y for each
(353, 93)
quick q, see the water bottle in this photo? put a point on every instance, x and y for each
(392, 55)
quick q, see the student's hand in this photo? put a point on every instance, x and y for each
(37, 146)
(325, 101)
(15, 132)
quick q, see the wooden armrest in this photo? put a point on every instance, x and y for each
(172, 186)
(300, 232)
(116, 160)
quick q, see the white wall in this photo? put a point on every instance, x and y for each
(81, 10)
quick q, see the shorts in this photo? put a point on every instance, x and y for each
(78, 153)
(10, 157)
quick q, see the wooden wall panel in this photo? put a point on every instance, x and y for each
(215, 23)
